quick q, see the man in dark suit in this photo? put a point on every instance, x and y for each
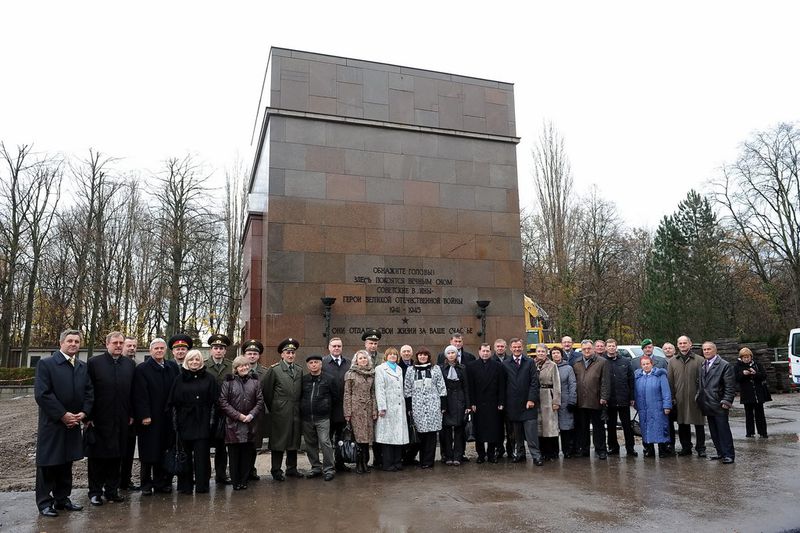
(716, 387)
(65, 396)
(487, 391)
(126, 468)
(463, 356)
(500, 355)
(337, 366)
(522, 395)
(111, 418)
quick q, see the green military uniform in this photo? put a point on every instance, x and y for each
(219, 371)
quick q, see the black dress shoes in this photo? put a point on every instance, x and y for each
(115, 497)
(313, 474)
(48, 511)
(602, 456)
(328, 477)
(518, 459)
(69, 506)
(701, 454)
(686, 451)
(293, 473)
(480, 460)
(221, 481)
(96, 500)
(278, 476)
(538, 461)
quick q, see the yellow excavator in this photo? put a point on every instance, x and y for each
(535, 321)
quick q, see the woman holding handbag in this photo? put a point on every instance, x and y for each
(360, 412)
(242, 401)
(192, 400)
(753, 392)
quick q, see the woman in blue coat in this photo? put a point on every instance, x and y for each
(653, 402)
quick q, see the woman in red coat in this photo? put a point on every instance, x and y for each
(242, 401)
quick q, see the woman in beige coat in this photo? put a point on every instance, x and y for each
(359, 405)
(549, 403)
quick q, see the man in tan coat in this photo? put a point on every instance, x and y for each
(682, 374)
(593, 383)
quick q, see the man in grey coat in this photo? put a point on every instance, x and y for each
(65, 396)
(716, 388)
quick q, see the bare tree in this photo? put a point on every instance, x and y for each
(183, 219)
(235, 193)
(760, 196)
(15, 202)
(552, 227)
(46, 191)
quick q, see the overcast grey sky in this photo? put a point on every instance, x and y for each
(651, 97)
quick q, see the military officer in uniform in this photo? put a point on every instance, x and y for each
(179, 344)
(282, 389)
(219, 367)
(371, 336)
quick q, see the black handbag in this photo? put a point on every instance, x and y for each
(347, 447)
(175, 460)
(413, 436)
(469, 429)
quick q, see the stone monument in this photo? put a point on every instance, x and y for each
(392, 190)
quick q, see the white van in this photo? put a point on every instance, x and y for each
(794, 358)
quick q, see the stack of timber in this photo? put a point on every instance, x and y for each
(728, 349)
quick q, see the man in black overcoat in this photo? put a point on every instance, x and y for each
(64, 393)
(487, 390)
(522, 396)
(337, 366)
(126, 469)
(112, 378)
(153, 380)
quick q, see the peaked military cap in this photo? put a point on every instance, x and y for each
(218, 339)
(253, 344)
(371, 334)
(288, 344)
(178, 340)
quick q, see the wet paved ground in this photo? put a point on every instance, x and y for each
(761, 492)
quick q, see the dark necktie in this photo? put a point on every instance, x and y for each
(517, 361)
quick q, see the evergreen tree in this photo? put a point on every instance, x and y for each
(688, 285)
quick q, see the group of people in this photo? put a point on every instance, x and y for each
(399, 403)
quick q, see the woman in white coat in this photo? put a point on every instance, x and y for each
(391, 428)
